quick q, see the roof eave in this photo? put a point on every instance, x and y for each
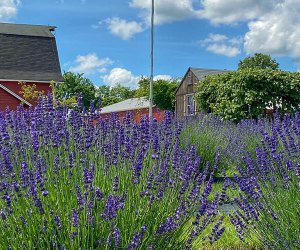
(182, 80)
(34, 81)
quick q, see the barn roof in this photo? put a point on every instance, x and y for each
(129, 104)
(28, 53)
(200, 73)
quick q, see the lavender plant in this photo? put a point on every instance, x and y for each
(76, 181)
(210, 135)
(270, 184)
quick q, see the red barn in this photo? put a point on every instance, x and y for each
(28, 53)
(138, 106)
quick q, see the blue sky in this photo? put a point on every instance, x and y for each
(109, 40)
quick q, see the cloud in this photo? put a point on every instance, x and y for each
(121, 76)
(162, 77)
(217, 11)
(222, 45)
(122, 28)
(223, 49)
(276, 32)
(8, 9)
(232, 11)
(90, 64)
(166, 11)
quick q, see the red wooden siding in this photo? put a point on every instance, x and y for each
(7, 99)
(139, 113)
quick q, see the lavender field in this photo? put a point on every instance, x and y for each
(71, 180)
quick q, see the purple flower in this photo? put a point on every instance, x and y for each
(117, 237)
(137, 238)
(99, 194)
(57, 221)
(75, 218)
(113, 204)
(116, 184)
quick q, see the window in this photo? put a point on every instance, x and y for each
(190, 78)
(190, 104)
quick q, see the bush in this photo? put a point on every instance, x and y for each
(246, 93)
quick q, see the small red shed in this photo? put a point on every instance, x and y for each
(138, 106)
(28, 53)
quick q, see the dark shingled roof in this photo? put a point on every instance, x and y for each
(200, 73)
(28, 52)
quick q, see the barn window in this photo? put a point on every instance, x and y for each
(190, 78)
(190, 104)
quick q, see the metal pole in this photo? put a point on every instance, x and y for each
(151, 75)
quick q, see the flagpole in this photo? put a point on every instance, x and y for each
(151, 74)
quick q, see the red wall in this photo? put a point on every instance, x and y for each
(139, 113)
(7, 99)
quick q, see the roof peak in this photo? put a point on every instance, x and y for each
(194, 68)
(27, 29)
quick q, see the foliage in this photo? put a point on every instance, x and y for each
(82, 182)
(247, 92)
(258, 61)
(163, 92)
(30, 92)
(73, 86)
(270, 184)
(110, 95)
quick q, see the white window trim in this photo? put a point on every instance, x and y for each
(186, 105)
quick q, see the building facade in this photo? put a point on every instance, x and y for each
(185, 104)
(28, 54)
(139, 108)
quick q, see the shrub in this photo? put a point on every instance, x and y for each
(246, 93)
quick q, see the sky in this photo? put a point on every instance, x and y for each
(109, 40)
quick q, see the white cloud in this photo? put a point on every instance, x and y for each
(276, 32)
(122, 28)
(223, 49)
(90, 64)
(162, 77)
(222, 45)
(121, 76)
(217, 11)
(8, 9)
(166, 11)
(232, 11)
(215, 38)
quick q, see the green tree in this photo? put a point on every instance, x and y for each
(74, 85)
(163, 92)
(110, 95)
(247, 92)
(122, 92)
(258, 61)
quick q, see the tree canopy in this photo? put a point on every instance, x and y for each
(73, 86)
(258, 61)
(245, 93)
(163, 92)
(110, 95)
(76, 84)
